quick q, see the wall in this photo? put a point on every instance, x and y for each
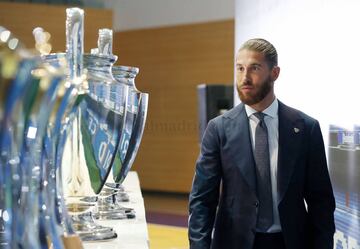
(172, 62)
(22, 18)
(140, 14)
(318, 51)
(177, 44)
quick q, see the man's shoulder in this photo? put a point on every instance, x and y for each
(229, 114)
(294, 113)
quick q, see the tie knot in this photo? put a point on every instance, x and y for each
(260, 115)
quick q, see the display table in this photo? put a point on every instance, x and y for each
(132, 233)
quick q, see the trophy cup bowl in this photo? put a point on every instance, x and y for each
(88, 144)
(108, 207)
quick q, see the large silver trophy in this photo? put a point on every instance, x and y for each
(59, 127)
(125, 156)
(136, 110)
(15, 80)
(95, 135)
(30, 89)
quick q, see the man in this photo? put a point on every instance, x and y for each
(270, 162)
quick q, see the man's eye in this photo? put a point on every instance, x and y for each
(240, 69)
(256, 68)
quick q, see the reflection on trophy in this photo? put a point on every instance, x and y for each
(69, 123)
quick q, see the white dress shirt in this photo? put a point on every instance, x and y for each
(272, 123)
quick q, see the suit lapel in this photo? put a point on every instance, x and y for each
(238, 135)
(291, 131)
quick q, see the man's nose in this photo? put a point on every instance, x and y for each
(245, 76)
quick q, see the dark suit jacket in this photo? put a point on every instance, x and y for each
(226, 157)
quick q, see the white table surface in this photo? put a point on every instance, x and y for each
(132, 233)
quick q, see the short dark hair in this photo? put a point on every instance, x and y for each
(264, 47)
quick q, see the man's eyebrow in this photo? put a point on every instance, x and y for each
(252, 64)
(255, 64)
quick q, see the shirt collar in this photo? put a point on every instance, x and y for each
(271, 111)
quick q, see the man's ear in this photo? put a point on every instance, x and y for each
(275, 71)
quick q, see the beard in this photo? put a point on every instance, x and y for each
(259, 95)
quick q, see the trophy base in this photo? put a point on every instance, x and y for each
(122, 197)
(96, 236)
(118, 190)
(88, 230)
(115, 186)
(108, 208)
(114, 212)
(110, 216)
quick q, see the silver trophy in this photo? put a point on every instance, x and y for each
(31, 98)
(58, 129)
(136, 111)
(110, 208)
(95, 136)
(15, 80)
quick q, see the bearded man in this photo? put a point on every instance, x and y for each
(261, 180)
